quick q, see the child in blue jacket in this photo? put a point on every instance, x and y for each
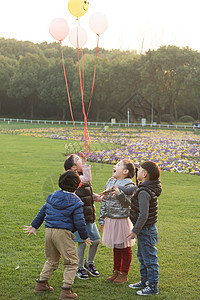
(63, 215)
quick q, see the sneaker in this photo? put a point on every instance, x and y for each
(138, 285)
(149, 290)
(90, 268)
(81, 274)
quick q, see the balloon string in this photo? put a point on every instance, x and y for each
(93, 75)
(83, 106)
(83, 82)
(70, 106)
(82, 69)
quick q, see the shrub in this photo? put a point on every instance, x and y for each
(165, 118)
(185, 119)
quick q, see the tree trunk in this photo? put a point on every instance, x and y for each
(63, 113)
(98, 112)
(175, 113)
(159, 114)
(171, 110)
(198, 111)
(31, 109)
(57, 114)
(131, 116)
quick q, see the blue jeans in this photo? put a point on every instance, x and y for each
(147, 239)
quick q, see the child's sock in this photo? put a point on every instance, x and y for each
(126, 254)
(117, 259)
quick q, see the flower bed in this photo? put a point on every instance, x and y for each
(174, 151)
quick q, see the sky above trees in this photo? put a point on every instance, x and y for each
(133, 25)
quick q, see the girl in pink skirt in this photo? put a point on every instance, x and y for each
(114, 218)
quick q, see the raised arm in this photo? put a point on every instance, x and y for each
(86, 177)
(123, 193)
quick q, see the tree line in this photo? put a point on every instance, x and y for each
(32, 83)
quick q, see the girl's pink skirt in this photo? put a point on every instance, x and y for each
(115, 233)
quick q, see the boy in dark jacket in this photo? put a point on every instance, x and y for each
(144, 212)
(63, 215)
(85, 193)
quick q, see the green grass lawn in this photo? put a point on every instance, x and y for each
(29, 171)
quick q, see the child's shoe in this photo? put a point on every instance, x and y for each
(81, 274)
(139, 285)
(42, 286)
(149, 290)
(121, 278)
(67, 293)
(113, 276)
(91, 269)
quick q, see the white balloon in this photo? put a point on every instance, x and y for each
(80, 34)
(98, 23)
(59, 29)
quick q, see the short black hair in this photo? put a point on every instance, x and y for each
(69, 181)
(69, 162)
(153, 170)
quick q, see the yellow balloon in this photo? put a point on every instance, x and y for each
(78, 7)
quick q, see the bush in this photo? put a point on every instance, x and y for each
(165, 118)
(186, 119)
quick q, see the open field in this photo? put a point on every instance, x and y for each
(29, 170)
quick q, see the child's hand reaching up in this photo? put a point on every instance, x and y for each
(114, 190)
(83, 158)
(30, 229)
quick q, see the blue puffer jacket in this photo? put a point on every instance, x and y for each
(62, 210)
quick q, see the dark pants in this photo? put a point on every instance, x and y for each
(147, 254)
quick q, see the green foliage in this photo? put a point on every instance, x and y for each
(8, 67)
(25, 82)
(186, 119)
(29, 171)
(14, 49)
(165, 74)
(34, 82)
(165, 118)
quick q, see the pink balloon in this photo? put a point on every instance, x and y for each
(98, 23)
(59, 29)
(82, 37)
